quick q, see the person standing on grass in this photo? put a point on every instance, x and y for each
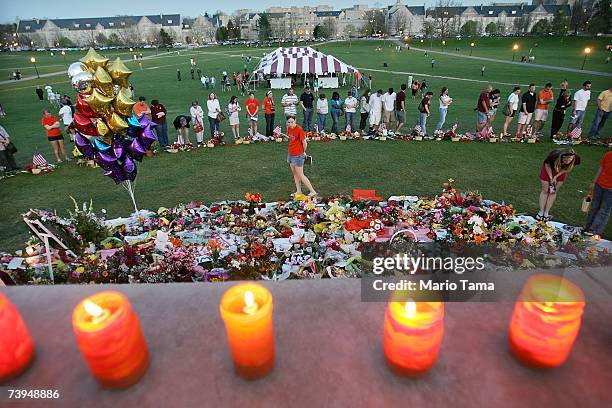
(364, 110)
(214, 108)
(424, 112)
(66, 114)
(252, 111)
(350, 107)
(493, 104)
(482, 108)
(604, 102)
(158, 114)
(445, 101)
(307, 104)
(322, 111)
(482, 70)
(370, 81)
(581, 101)
(178, 74)
(545, 97)
(563, 85)
(388, 100)
(269, 112)
(433, 63)
(555, 169)
(509, 111)
(563, 102)
(39, 93)
(414, 88)
(296, 155)
(601, 198)
(54, 135)
(233, 108)
(289, 101)
(400, 108)
(336, 111)
(141, 108)
(375, 110)
(528, 103)
(6, 155)
(197, 118)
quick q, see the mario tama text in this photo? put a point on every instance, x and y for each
(405, 264)
(432, 285)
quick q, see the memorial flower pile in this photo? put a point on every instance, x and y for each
(253, 239)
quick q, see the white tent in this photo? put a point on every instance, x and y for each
(301, 60)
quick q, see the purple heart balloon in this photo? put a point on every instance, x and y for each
(132, 176)
(87, 151)
(107, 157)
(81, 140)
(144, 120)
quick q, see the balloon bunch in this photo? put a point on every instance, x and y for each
(108, 132)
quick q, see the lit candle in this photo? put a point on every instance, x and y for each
(546, 321)
(16, 347)
(246, 310)
(110, 339)
(412, 337)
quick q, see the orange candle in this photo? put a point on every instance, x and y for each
(16, 347)
(246, 310)
(412, 337)
(110, 339)
(546, 321)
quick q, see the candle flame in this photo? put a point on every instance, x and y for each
(92, 308)
(249, 299)
(410, 308)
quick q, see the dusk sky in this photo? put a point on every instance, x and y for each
(26, 9)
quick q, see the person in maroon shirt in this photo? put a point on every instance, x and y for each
(482, 109)
(158, 112)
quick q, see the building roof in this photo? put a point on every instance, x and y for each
(165, 20)
(516, 10)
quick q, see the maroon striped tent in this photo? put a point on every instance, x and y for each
(301, 60)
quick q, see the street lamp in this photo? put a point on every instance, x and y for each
(515, 47)
(471, 48)
(33, 61)
(587, 51)
(64, 55)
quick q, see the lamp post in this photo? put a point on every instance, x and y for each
(471, 48)
(515, 47)
(33, 61)
(64, 55)
(587, 51)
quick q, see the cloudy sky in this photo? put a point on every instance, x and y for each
(25, 9)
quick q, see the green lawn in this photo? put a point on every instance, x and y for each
(501, 171)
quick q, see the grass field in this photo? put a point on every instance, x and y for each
(502, 172)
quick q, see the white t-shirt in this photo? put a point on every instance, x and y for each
(365, 105)
(66, 113)
(197, 113)
(213, 108)
(322, 106)
(444, 101)
(581, 97)
(375, 103)
(351, 104)
(513, 100)
(388, 101)
(292, 101)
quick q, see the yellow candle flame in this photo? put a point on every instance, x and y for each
(250, 306)
(410, 308)
(92, 308)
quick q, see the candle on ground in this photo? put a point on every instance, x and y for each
(16, 347)
(412, 336)
(109, 336)
(546, 321)
(246, 310)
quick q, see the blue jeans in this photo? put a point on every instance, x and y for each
(161, 131)
(214, 125)
(598, 123)
(601, 204)
(443, 112)
(335, 115)
(307, 120)
(423, 123)
(321, 119)
(350, 120)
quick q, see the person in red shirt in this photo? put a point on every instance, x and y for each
(601, 198)
(555, 169)
(54, 134)
(482, 108)
(252, 109)
(269, 112)
(141, 108)
(297, 155)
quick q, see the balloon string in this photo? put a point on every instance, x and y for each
(130, 187)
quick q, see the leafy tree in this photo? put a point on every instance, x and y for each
(492, 28)
(375, 22)
(560, 23)
(428, 29)
(221, 34)
(64, 42)
(445, 17)
(265, 30)
(542, 27)
(113, 40)
(165, 38)
(330, 27)
(579, 17)
(521, 24)
(350, 30)
(601, 19)
(470, 29)
(233, 30)
(101, 39)
(319, 31)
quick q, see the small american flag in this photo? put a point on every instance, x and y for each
(39, 161)
(277, 131)
(348, 128)
(529, 131)
(250, 132)
(382, 126)
(575, 133)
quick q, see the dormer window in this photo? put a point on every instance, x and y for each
(123, 23)
(111, 24)
(513, 11)
(169, 21)
(87, 25)
(186, 25)
(27, 27)
(76, 25)
(490, 12)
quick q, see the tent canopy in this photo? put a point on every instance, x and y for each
(301, 60)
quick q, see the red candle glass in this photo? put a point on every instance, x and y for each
(16, 346)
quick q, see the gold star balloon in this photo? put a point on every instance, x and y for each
(119, 72)
(101, 104)
(123, 102)
(117, 124)
(103, 81)
(101, 127)
(94, 60)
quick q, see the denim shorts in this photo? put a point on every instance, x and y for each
(482, 116)
(296, 160)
